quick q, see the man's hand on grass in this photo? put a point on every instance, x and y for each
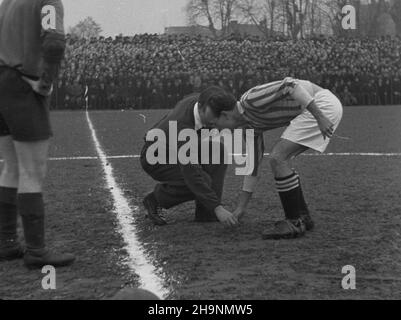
(226, 217)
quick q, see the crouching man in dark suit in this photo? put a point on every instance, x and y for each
(181, 182)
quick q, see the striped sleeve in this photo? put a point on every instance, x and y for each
(261, 98)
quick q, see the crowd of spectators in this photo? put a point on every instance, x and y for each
(155, 71)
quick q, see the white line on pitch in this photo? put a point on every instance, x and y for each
(353, 154)
(94, 158)
(138, 261)
(344, 154)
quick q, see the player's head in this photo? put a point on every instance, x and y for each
(213, 101)
(231, 119)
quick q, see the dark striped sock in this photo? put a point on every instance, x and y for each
(289, 191)
(32, 211)
(8, 216)
(303, 207)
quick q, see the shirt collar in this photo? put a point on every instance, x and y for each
(198, 121)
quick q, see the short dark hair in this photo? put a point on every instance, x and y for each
(217, 99)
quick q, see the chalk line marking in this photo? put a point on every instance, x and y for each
(136, 156)
(138, 260)
(94, 158)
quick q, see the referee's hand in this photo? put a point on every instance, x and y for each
(226, 217)
(40, 86)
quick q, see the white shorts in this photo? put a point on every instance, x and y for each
(304, 129)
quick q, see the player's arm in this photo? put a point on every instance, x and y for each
(251, 180)
(325, 125)
(52, 45)
(53, 38)
(301, 95)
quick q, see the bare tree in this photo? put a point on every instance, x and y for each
(87, 28)
(199, 10)
(332, 12)
(263, 13)
(303, 8)
(396, 14)
(296, 18)
(215, 13)
(369, 22)
(225, 9)
(295, 15)
(314, 17)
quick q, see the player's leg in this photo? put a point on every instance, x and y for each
(32, 164)
(9, 172)
(303, 134)
(289, 189)
(283, 154)
(27, 117)
(9, 247)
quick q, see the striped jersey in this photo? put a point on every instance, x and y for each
(273, 105)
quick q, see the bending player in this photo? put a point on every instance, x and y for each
(311, 115)
(32, 45)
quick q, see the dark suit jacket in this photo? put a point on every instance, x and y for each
(192, 174)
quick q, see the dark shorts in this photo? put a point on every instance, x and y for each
(24, 114)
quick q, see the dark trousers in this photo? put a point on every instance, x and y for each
(172, 189)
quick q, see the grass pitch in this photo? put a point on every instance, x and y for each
(354, 200)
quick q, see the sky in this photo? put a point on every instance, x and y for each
(127, 16)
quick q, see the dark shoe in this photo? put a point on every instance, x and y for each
(154, 211)
(286, 229)
(36, 255)
(46, 258)
(308, 222)
(11, 253)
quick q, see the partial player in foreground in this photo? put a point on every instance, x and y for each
(32, 45)
(178, 182)
(311, 115)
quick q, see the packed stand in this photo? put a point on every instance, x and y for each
(155, 71)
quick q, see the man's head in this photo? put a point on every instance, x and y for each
(231, 119)
(213, 101)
